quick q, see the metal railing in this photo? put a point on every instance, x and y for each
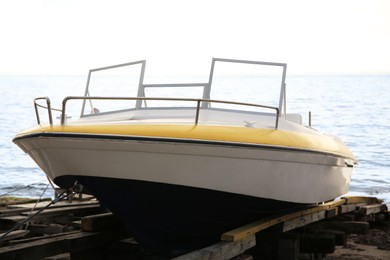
(198, 104)
(205, 100)
(48, 107)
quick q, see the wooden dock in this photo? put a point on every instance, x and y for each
(81, 229)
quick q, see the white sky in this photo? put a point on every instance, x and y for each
(312, 36)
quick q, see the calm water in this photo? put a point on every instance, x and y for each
(356, 108)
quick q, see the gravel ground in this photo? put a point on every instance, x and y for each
(375, 245)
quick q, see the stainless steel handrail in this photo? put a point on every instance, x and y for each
(36, 105)
(199, 101)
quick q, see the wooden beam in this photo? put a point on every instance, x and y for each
(350, 207)
(309, 215)
(221, 250)
(59, 204)
(303, 221)
(31, 239)
(252, 228)
(14, 234)
(340, 236)
(42, 248)
(361, 199)
(352, 227)
(62, 210)
(100, 222)
(372, 209)
(317, 243)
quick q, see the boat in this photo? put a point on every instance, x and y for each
(177, 171)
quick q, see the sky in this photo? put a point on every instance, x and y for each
(320, 37)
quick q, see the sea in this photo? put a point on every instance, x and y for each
(355, 108)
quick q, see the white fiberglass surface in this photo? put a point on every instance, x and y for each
(206, 117)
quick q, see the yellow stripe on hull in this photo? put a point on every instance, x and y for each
(280, 138)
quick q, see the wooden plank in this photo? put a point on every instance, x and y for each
(340, 236)
(303, 221)
(42, 248)
(330, 213)
(12, 219)
(317, 243)
(252, 228)
(351, 207)
(221, 250)
(14, 234)
(62, 210)
(352, 227)
(247, 230)
(46, 229)
(372, 209)
(13, 212)
(31, 239)
(62, 203)
(336, 207)
(288, 247)
(100, 222)
(335, 203)
(362, 199)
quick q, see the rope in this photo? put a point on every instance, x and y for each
(63, 195)
(52, 185)
(36, 203)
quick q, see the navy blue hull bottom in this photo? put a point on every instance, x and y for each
(168, 218)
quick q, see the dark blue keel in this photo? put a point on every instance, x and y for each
(168, 218)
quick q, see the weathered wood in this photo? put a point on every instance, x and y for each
(252, 228)
(340, 236)
(81, 246)
(221, 250)
(31, 239)
(361, 199)
(12, 219)
(346, 217)
(303, 220)
(42, 248)
(243, 257)
(12, 212)
(46, 229)
(350, 207)
(13, 235)
(99, 222)
(372, 209)
(317, 243)
(309, 215)
(63, 210)
(288, 246)
(351, 227)
(58, 204)
(64, 256)
(330, 213)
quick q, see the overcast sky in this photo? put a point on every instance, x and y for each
(313, 37)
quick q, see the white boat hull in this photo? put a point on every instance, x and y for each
(277, 173)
